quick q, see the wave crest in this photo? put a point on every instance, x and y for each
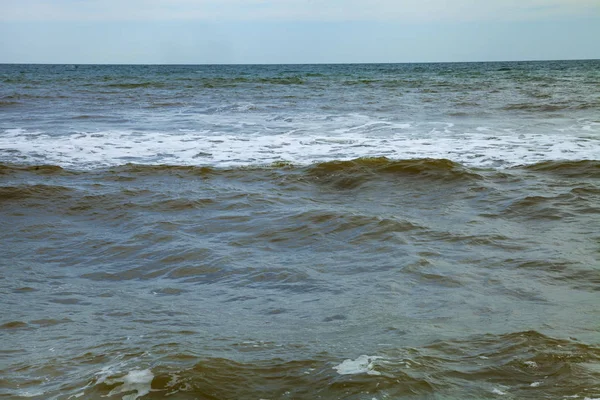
(354, 172)
(571, 169)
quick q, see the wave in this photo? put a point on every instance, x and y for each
(418, 82)
(571, 169)
(7, 169)
(290, 80)
(536, 107)
(19, 98)
(425, 168)
(338, 174)
(164, 169)
(136, 85)
(9, 103)
(527, 365)
(46, 192)
(362, 168)
(300, 140)
(213, 82)
(90, 117)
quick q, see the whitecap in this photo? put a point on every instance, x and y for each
(305, 144)
(136, 380)
(531, 364)
(362, 365)
(30, 394)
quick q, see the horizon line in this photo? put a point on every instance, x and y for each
(301, 63)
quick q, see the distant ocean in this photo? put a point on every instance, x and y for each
(368, 231)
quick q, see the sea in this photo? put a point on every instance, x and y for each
(352, 231)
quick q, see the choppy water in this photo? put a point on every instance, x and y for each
(423, 231)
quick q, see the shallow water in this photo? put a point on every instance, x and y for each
(375, 247)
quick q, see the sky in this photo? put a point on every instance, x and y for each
(296, 31)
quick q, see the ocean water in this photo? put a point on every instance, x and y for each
(384, 231)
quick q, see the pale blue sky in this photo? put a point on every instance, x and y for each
(296, 31)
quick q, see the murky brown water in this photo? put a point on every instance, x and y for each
(374, 231)
(342, 280)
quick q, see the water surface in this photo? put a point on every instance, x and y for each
(418, 231)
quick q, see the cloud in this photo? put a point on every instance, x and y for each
(294, 10)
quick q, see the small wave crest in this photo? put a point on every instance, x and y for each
(17, 193)
(571, 169)
(7, 169)
(353, 173)
(136, 85)
(519, 365)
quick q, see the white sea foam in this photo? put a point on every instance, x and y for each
(362, 365)
(31, 394)
(138, 381)
(531, 364)
(305, 143)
